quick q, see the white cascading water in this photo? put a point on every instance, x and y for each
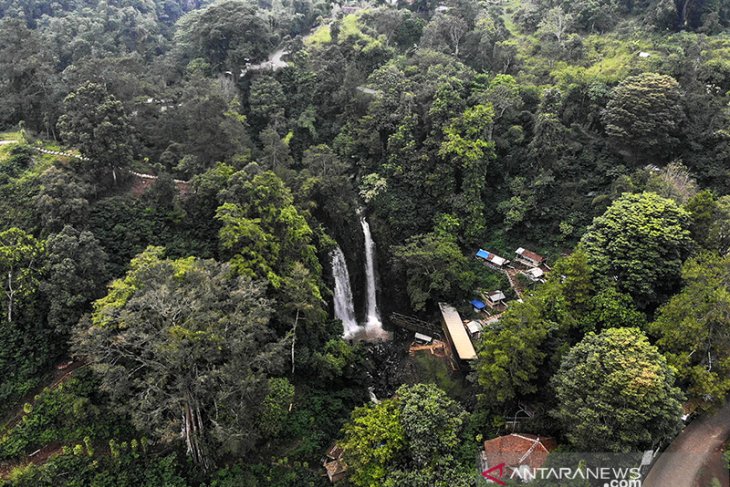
(344, 306)
(374, 325)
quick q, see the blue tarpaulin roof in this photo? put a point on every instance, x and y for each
(483, 254)
(477, 304)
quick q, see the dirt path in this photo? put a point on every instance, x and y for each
(38, 457)
(514, 282)
(61, 373)
(695, 456)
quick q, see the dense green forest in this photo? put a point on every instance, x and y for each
(176, 177)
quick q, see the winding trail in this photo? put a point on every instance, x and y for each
(695, 455)
(511, 274)
(61, 373)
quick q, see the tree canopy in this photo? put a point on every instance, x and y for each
(640, 243)
(692, 329)
(616, 393)
(407, 440)
(166, 341)
(175, 174)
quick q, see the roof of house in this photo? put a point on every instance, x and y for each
(495, 296)
(536, 272)
(335, 469)
(423, 338)
(334, 452)
(528, 254)
(490, 257)
(478, 303)
(474, 327)
(457, 332)
(519, 449)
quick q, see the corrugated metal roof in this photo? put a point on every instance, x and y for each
(423, 338)
(491, 257)
(495, 296)
(457, 332)
(474, 327)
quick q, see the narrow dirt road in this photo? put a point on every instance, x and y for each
(695, 456)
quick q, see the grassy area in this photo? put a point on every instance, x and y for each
(320, 36)
(349, 28)
(6, 148)
(16, 136)
(41, 161)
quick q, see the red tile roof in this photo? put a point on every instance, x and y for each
(530, 255)
(519, 449)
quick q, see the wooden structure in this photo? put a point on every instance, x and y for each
(475, 328)
(535, 274)
(456, 333)
(334, 465)
(415, 325)
(528, 257)
(495, 297)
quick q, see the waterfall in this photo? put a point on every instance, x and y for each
(373, 398)
(373, 316)
(344, 307)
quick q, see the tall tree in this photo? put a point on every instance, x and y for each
(24, 341)
(616, 393)
(693, 330)
(184, 347)
(374, 439)
(267, 102)
(26, 75)
(718, 238)
(445, 33)
(467, 145)
(95, 122)
(639, 243)
(645, 112)
(76, 271)
(434, 265)
(20, 266)
(511, 356)
(410, 439)
(62, 200)
(555, 25)
(263, 234)
(225, 34)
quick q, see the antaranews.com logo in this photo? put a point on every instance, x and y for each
(611, 477)
(563, 468)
